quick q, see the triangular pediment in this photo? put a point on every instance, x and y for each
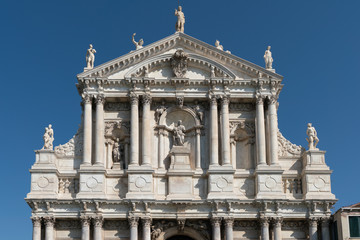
(155, 59)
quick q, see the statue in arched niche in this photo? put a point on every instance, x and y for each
(179, 134)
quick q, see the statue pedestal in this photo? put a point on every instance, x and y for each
(116, 166)
(316, 176)
(180, 175)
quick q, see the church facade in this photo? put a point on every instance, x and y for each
(179, 140)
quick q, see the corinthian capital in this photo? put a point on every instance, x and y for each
(225, 100)
(146, 221)
(264, 221)
(229, 221)
(98, 221)
(272, 99)
(216, 221)
(36, 221)
(277, 221)
(100, 99)
(49, 221)
(146, 99)
(134, 98)
(313, 222)
(259, 98)
(85, 220)
(133, 221)
(213, 100)
(86, 97)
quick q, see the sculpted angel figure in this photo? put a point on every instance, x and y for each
(268, 58)
(138, 45)
(179, 134)
(312, 139)
(218, 46)
(48, 138)
(90, 57)
(181, 20)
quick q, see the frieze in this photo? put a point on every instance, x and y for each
(67, 224)
(243, 107)
(248, 126)
(290, 225)
(74, 147)
(112, 127)
(286, 148)
(238, 225)
(114, 225)
(117, 106)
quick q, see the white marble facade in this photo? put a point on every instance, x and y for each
(130, 172)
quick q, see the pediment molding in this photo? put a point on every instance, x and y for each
(177, 40)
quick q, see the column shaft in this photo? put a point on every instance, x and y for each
(277, 229)
(109, 149)
(36, 228)
(313, 229)
(161, 149)
(99, 138)
(146, 222)
(273, 132)
(233, 152)
(134, 131)
(325, 231)
(229, 222)
(98, 222)
(133, 222)
(198, 149)
(87, 101)
(214, 144)
(126, 153)
(85, 228)
(225, 131)
(216, 228)
(260, 131)
(49, 228)
(146, 136)
(265, 229)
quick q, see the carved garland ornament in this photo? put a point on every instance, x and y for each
(74, 147)
(287, 148)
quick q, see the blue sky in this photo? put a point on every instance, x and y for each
(315, 46)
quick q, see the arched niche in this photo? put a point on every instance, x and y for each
(187, 232)
(173, 114)
(244, 148)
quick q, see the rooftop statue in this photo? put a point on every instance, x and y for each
(268, 58)
(179, 134)
(312, 139)
(181, 20)
(139, 45)
(90, 57)
(48, 138)
(218, 46)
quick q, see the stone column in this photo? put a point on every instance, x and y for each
(134, 130)
(99, 137)
(146, 223)
(198, 149)
(98, 222)
(133, 222)
(325, 231)
(229, 223)
(264, 228)
(233, 152)
(126, 153)
(49, 228)
(36, 228)
(313, 223)
(225, 140)
(214, 144)
(277, 228)
(260, 131)
(87, 101)
(161, 149)
(273, 131)
(85, 228)
(216, 222)
(146, 136)
(109, 159)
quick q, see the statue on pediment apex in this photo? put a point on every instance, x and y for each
(218, 46)
(268, 58)
(90, 57)
(181, 20)
(312, 139)
(139, 44)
